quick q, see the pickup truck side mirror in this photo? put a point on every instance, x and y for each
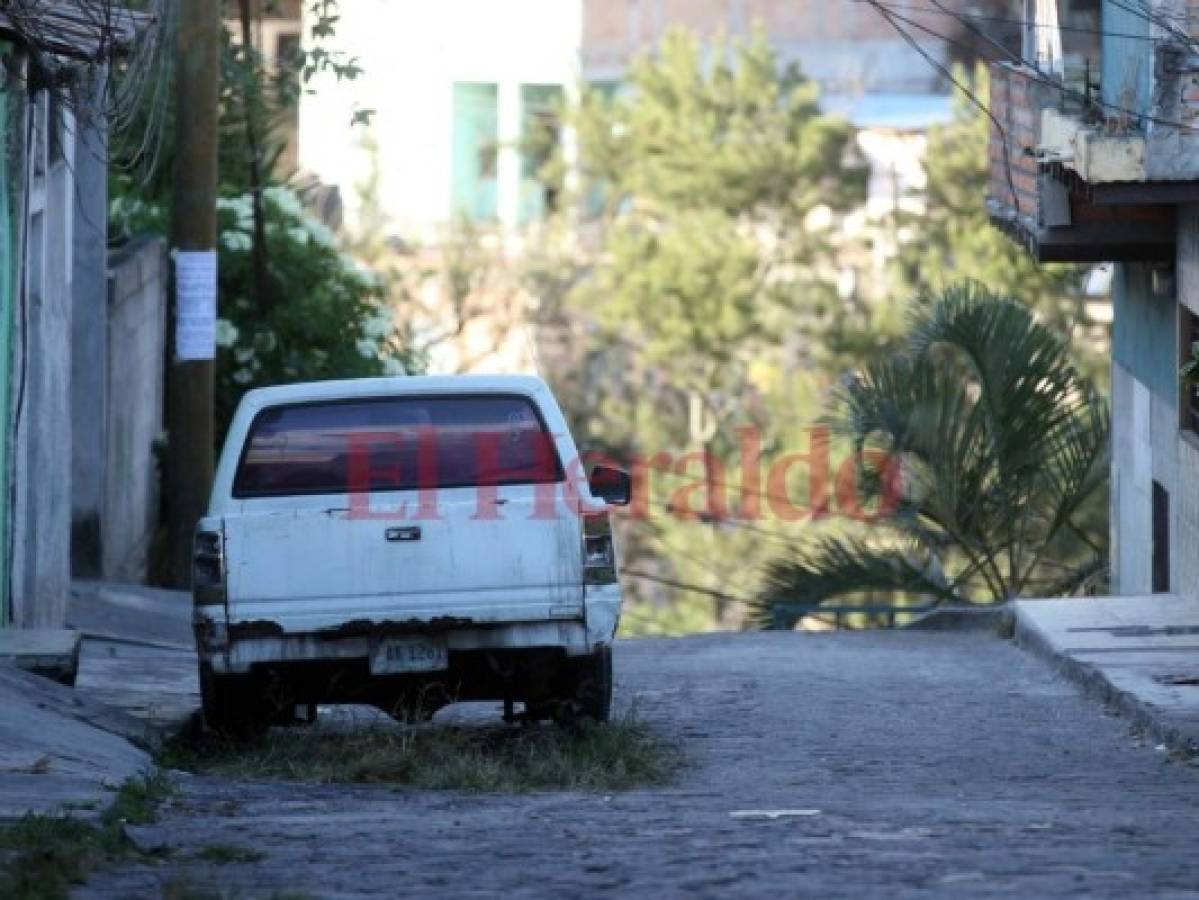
(611, 485)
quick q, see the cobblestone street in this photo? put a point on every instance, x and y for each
(851, 764)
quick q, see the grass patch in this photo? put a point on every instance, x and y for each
(41, 857)
(615, 756)
(225, 854)
(138, 799)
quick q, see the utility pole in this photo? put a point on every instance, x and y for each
(193, 246)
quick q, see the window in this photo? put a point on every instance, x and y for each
(287, 51)
(541, 133)
(396, 444)
(1188, 388)
(475, 150)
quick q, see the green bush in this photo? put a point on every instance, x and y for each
(328, 316)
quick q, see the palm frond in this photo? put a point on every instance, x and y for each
(843, 567)
(1074, 578)
(1003, 446)
(1027, 385)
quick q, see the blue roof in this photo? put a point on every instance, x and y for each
(903, 112)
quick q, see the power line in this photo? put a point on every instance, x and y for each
(1144, 12)
(723, 521)
(1023, 23)
(1030, 70)
(674, 549)
(686, 586)
(945, 73)
(725, 487)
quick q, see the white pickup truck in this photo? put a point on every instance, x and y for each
(405, 543)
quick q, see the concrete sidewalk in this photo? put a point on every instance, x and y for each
(1140, 654)
(65, 749)
(137, 652)
(131, 613)
(59, 750)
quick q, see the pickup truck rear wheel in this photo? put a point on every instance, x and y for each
(232, 704)
(593, 685)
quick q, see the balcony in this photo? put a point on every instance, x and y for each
(1071, 184)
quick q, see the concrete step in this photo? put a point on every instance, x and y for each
(53, 652)
(157, 685)
(132, 613)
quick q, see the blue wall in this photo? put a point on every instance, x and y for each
(1145, 333)
(1127, 63)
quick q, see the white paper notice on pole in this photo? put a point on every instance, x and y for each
(195, 304)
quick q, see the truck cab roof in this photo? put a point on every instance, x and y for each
(351, 388)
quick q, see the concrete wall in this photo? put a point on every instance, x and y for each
(1148, 442)
(137, 290)
(1184, 527)
(89, 352)
(1144, 420)
(41, 524)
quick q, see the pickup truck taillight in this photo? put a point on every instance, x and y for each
(208, 568)
(599, 557)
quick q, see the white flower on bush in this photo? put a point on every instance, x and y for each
(368, 349)
(285, 200)
(243, 376)
(242, 208)
(125, 207)
(298, 234)
(266, 341)
(226, 333)
(379, 325)
(236, 240)
(320, 232)
(366, 277)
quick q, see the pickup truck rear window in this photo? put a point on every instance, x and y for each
(396, 444)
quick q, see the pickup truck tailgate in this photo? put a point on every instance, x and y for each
(401, 509)
(308, 569)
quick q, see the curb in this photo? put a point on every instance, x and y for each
(996, 618)
(1096, 685)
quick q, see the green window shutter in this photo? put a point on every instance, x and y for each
(475, 150)
(541, 132)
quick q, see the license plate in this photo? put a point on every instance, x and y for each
(409, 654)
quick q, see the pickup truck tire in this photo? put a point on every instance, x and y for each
(593, 685)
(232, 705)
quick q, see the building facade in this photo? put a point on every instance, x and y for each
(53, 214)
(457, 88)
(462, 90)
(1104, 165)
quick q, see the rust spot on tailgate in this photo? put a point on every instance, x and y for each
(256, 629)
(355, 627)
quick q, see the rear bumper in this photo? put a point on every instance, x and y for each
(239, 647)
(241, 654)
